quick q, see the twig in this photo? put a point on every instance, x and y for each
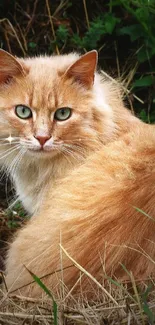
(23, 37)
(137, 297)
(131, 74)
(86, 13)
(89, 276)
(7, 322)
(14, 31)
(52, 26)
(28, 316)
(32, 17)
(7, 40)
(3, 278)
(29, 299)
(117, 60)
(124, 88)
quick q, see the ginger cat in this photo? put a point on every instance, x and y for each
(81, 161)
(92, 214)
(53, 113)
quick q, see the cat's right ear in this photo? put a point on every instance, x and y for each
(9, 67)
(83, 70)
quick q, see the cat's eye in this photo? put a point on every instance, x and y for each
(23, 112)
(62, 114)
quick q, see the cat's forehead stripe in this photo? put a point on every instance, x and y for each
(45, 98)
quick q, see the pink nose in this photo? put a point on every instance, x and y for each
(42, 139)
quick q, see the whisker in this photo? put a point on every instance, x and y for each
(9, 149)
(76, 148)
(66, 156)
(9, 144)
(79, 140)
(8, 137)
(74, 154)
(13, 167)
(12, 203)
(26, 141)
(15, 162)
(8, 152)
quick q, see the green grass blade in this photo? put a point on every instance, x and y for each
(48, 292)
(146, 308)
(117, 284)
(55, 312)
(147, 311)
(144, 213)
(125, 269)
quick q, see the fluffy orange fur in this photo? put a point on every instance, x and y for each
(98, 168)
(45, 84)
(92, 213)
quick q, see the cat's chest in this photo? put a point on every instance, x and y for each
(32, 184)
(29, 191)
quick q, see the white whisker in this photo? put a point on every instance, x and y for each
(9, 144)
(73, 154)
(9, 151)
(11, 170)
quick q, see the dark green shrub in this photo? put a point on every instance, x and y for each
(123, 31)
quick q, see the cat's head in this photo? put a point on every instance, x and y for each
(51, 105)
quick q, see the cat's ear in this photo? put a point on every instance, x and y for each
(9, 67)
(83, 70)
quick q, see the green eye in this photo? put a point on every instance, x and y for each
(23, 112)
(62, 114)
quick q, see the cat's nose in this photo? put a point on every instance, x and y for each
(42, 139)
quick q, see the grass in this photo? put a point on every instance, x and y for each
(133, 303)
(49, 294)
(127, 303)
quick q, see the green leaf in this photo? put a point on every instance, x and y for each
(134, 32)
(32, 45)
(12, 224)
(143, 116)
(94, 34)
(146, 308)
(146, 53)
(125, 269)
(113, 281)
(144, 81)
(147, 291)
(48, 292)
(148, 312)
(76, 40)
(110, 22)
(115, 3)
(62, 33)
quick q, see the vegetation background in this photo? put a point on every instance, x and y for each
(123, 32)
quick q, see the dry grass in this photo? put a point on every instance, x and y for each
(128, 307)
(112, 302)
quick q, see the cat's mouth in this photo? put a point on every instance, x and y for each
(43, 152)
(42, 149)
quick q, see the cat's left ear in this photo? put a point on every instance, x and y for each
(9, 67)
(83, 70)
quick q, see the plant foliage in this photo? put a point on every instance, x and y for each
(123, 32)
